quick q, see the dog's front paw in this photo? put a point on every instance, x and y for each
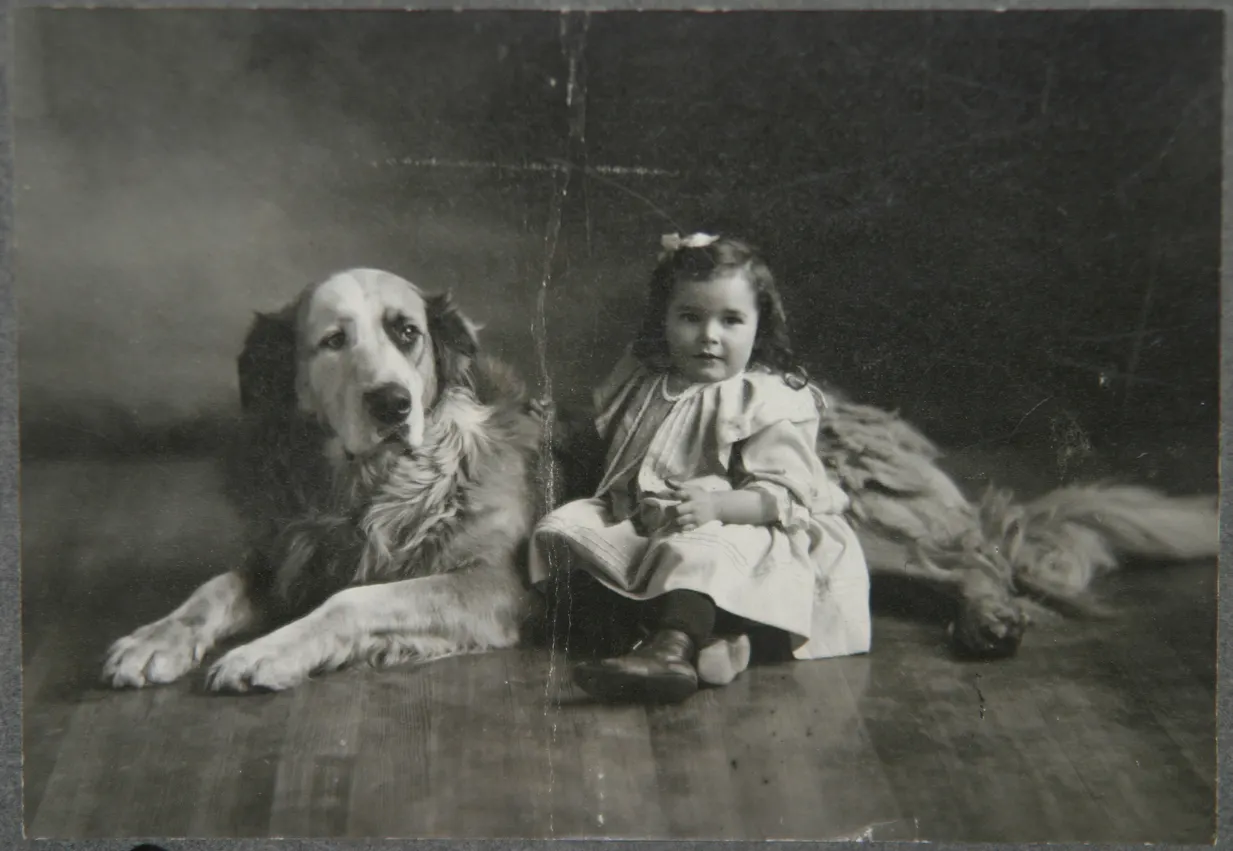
(160, 652)
(261, 665)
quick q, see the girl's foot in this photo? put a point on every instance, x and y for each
(659, 670)
(723, 659)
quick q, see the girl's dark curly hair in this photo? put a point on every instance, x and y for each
(771, 349)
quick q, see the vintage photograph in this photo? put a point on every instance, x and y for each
(643, 425)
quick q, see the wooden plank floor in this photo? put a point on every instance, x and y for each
(1098, 732)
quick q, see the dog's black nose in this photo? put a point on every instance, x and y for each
(388, 404)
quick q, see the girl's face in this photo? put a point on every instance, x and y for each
(710, 327)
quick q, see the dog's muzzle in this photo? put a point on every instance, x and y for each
(389, 404)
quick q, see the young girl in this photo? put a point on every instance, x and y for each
(713, 503)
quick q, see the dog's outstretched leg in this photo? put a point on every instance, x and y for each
(423, 618)
(167, 649)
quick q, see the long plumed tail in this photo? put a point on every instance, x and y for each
(1139, 521)
(1059, 543)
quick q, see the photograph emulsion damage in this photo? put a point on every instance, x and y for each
(665, 425)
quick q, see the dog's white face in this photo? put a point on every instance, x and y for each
(367, 368)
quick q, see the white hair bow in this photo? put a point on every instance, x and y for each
(673, 242)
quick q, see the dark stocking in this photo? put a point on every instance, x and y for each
(690, 612)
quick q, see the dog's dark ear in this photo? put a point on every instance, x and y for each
(455, 341)
(267, 364)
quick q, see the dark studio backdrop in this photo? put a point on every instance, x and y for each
(1005, 225)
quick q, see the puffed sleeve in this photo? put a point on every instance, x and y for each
(780, 460)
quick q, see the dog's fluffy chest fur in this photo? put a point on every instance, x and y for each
(395, 513)
(419, 499)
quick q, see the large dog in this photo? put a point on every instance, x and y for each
(385, 474)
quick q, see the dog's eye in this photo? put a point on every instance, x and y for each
(334, 341)
(405, 333)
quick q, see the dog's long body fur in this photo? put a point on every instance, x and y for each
(398, 553)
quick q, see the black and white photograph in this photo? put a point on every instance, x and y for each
(629, 424)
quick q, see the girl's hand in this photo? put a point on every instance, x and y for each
(700, 504)
(697, 508)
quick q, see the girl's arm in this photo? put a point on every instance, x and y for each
(776, 477)
(747, 507)
(753, 507)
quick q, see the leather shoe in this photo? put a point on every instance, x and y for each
(660, 670)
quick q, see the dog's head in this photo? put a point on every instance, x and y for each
(364, 353)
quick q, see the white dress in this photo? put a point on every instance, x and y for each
(805, 573)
